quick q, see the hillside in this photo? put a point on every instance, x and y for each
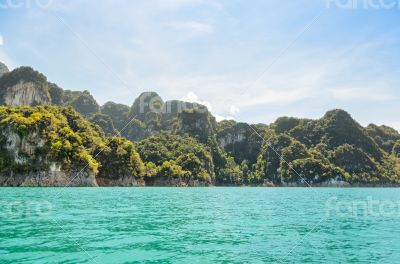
(49, 135)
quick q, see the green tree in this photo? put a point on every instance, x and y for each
(151, 169)
(285, 124)
(396, 149)
(309, 170)
(184, 151)
(105, 122)
(169, 169)
(231, 173)
(118, 157)
(386, 137)
(83, 102)
(56, 94)
(118, 113)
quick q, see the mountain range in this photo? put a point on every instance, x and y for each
(50, 136)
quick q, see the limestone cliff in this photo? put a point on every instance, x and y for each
(150, 115)
(25, 93)
(181, 143)
(240, 140)
(48, 179)
(120, 180)
(199, 124)
(32, 169)
(169, 182)
(56, 146)
(24, 87)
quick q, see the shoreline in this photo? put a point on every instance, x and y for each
(62, 180)
(389, 186)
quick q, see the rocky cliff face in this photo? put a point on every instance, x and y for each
(48, 179)
(120, 180)
(46, 145)
(21, 148)
(150, 115)
(25, 94)
(235, 134)
(168, 182)
(200, 124)
(55, 146)
(21, 151)
(239, 140)
(24, 87)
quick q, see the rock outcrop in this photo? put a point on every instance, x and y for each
(168, 182)
(36, 170)
(120, 180)
(48, 179)
(25, 94)
(239, 140)
(55, 146)
(24, 87)
(180, 143)
(150, 115)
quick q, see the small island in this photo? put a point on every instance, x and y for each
(55, 137)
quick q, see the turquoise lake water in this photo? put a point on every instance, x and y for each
(199, 225)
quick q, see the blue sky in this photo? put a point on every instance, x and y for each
(250, 60)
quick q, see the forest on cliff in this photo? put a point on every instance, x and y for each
(44, 128)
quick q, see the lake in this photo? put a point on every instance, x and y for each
(199, 225)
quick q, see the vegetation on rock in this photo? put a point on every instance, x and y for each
(118, 113)
(182, 155)
(105, 122)
(33, 139)
(182, 141)
(24, 75)
(83, 102)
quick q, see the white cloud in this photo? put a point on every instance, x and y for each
(147, 52)
(293, 79)
(234, 110)
(1, 40)
(193, 28)
(191, 97)
(220, 117)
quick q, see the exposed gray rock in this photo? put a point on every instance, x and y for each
(49, 179)
(49, 173)
(120, 180)
(240, 140)
(25, 94)
(171, 182)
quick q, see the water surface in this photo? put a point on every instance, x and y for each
(198, 225)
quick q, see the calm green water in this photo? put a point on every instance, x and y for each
(199, 225)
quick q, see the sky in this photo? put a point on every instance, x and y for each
(251, 60)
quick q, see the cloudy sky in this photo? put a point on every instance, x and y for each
(247, 59)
